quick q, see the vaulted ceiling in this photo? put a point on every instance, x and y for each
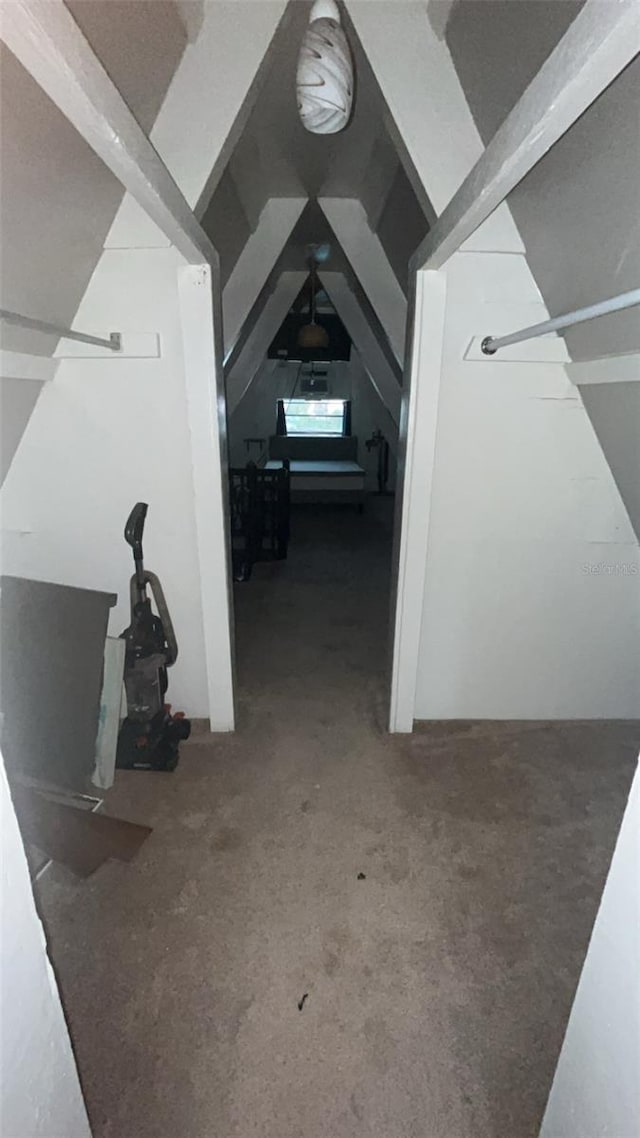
(277, 157)
(58, 200)
(276, 151)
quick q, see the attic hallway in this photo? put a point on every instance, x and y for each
(438, 986)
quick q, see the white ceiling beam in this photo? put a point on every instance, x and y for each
(206, 106)
(255, 263)
(211, 96)
(608, 369)
(23, 365)
(350, 312)
(245, 368)
(429, 117)
(601, 41)
(367, 257)
(45, 38)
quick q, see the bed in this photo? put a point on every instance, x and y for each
(321, 469)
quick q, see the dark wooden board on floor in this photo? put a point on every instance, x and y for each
(77, 838)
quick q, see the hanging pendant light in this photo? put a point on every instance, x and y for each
(324, 79)
(313, 335)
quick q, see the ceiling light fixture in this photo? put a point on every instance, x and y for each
(324, 78)
(313, 336)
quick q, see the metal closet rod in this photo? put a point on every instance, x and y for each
(491, 344)
(114, 342)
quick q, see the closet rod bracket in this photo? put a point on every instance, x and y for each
(114, 343)
(491, 344)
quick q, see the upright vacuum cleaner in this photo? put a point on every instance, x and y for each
(150, 735)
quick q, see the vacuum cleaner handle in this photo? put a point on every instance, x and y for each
(133, 536)
(135, 527)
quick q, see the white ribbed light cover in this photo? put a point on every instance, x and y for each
(324, 79)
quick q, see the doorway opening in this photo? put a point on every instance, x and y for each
(314, 377)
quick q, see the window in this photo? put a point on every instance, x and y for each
(315, 416)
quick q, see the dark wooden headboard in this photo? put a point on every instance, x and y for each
(314, 448)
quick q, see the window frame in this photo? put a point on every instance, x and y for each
(341, 416)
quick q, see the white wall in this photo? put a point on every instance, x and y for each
(17, 400)
(531, 599)
(57, 198)
(369, 415)
(520, 619)
(41, 1096)
(614, 410)
(578, 209)
(57, 202)
(111, 431)
(255, 416)
(104, 434)
(596, 1089)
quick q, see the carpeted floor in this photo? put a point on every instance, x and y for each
(334, 933)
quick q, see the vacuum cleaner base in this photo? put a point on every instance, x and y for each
(152, 746)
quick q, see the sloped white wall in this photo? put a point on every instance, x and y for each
(370, 414)
(595, 1091)
(614, 410)
(17, 399)
(104, 434)
(58, 198)
(531, 601)
(109, 432)
(41, 1096)
(577, 209)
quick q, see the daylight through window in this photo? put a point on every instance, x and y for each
(315, 416)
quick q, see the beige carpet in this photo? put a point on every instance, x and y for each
(437, 985)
